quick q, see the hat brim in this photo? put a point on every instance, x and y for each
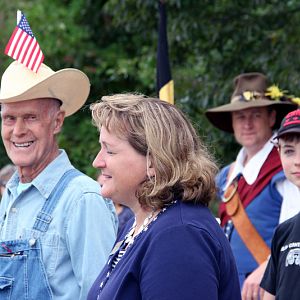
(286, 131)
(71, 86)
(220, 116)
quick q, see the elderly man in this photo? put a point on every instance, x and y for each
(56, 231)
(256, 196)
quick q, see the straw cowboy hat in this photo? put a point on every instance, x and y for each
(70, 86)
(250, 90)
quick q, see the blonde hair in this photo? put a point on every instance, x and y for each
(161, 132)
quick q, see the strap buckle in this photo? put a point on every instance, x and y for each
(233, 186)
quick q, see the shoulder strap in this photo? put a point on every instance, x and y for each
(224, 217)
(248, 233)
(44, 217)
(247, 193)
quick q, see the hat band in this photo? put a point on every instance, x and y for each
(248, 96)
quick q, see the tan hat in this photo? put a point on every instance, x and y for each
(70, 86)
(250, 90)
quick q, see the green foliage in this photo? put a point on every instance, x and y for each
(115, 41)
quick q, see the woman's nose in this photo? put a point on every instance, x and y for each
(99, 162)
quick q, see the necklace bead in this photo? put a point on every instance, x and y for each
(129, 240)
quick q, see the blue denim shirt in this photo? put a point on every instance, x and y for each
(80, 236)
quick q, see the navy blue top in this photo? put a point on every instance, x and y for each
(183, 254)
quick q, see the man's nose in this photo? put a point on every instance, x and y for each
(19, 127)
(248, 122)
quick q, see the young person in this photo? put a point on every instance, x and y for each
(281, 278)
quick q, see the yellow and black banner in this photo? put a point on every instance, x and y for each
(165, 85)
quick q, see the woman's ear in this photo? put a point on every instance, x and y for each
(151, 172)
(150, 168)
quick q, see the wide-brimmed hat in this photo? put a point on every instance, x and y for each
(70, 86)
(250, 90)
(289, 124)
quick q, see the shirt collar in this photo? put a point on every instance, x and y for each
(251, 170)
(48, 178)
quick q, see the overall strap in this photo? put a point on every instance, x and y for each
(44, 217)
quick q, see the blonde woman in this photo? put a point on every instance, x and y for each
(152, 161)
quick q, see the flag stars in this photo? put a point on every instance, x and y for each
(25, 26)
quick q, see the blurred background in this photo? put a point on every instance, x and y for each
(115, 43)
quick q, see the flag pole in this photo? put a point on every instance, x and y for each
(165, 84)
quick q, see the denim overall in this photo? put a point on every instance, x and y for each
(22, 271)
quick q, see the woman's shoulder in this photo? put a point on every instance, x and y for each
(182, 215)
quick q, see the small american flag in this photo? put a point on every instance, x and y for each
(23, 46)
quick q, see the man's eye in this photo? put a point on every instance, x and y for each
(8, 118)
(31, 117)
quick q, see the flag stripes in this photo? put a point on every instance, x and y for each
(23, 46)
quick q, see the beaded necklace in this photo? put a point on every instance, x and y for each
(129, 241)
(129, 238)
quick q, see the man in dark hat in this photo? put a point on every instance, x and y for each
(56, 230)
(253, 188)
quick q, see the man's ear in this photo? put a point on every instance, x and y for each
(272, 118)
(59, 120)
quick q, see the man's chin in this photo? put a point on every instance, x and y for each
(20, 164)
